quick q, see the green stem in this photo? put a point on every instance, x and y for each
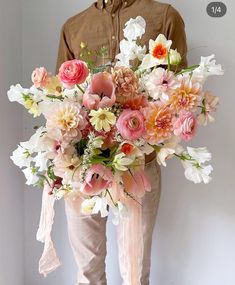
(107, 191)
(80, 88)
(191, 68)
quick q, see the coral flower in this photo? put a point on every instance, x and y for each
(101, 92)
(73, 72)
(126, 82)
(40, 77)
(187, 96)
(158, 122)
(98, 178)
(135, 102)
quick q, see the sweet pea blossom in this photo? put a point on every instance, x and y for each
(31, 175)
(210, 103)
(197, 173)
(121, 162)
(207, 67)
(95, 205)
(21, 157)
(134, 28)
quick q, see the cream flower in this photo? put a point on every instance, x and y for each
(158, 52)
(121, 161)
(102, 119)
(134, 28)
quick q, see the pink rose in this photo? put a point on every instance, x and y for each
(98, 178)
(101, 92)
(40, 77)
(73, 72)
(130, 124)
(185, 126)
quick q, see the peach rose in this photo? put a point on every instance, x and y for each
(185, 126)
(40, 77)
(73, 72)
(130, 124)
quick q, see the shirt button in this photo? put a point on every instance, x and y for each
(113, 15)
(125, 3)
(106, 1)
(113, 37)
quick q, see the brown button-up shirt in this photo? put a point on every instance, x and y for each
(102, 25)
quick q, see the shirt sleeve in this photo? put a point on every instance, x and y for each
(64, 52)
(174, 29)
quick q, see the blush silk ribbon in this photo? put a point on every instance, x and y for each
(130, 236)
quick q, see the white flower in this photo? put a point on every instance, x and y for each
(41, 161)
(161, 83)
(121, 161)
(88, 205)
(31, 175)
(120, 212)
(163, 154)
(197, 173)
(200, 154)
(97, 142)
(134, 28)
(129, 50)
(158, 52)
(15, 94)
(101, 205)
(33, 144)
(207, 68)
(21, 157)
(175, 57)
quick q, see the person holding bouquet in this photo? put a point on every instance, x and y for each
(101, 25)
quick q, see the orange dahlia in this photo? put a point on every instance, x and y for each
(187, 96)
(158, 122)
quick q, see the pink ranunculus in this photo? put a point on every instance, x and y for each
(98, 178)
(40, 77)
(73, 72)
(185, 126)
(130, 124)
(101, 92)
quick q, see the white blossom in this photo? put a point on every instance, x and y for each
(197, 173)
(21, 157)
(31, 175)
(207, 67)
(134, 28)
(15, 94)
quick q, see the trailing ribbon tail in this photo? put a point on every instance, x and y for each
(49, 260)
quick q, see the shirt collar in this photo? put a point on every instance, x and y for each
(112, 5)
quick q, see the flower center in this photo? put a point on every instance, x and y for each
(102, 117)
(159, 51)
(133, 123)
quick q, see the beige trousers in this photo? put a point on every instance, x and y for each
(87, 235)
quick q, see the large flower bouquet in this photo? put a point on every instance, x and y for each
(101, 123)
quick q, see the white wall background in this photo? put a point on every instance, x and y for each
(194, 238)
(11, 127)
